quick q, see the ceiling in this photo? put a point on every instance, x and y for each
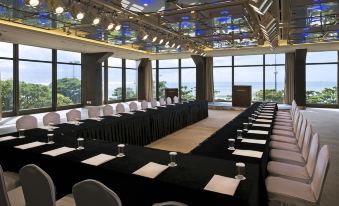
(202, 27)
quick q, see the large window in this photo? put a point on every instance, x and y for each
(6, 76)
(188, 80)
(322, 77)
(222, 76)
(168, 75)
(114, 79)
(131, 79)
(154, 78)
(275, 77)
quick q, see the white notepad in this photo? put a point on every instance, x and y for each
(30, 145)
(254, 141)
(257, 132)
(262, 125)
(223, 185)
(128, 112)
(248, 153)
(98, 159)
(264, 120)
(268, 110)
(73, 122)
(59, 151)
(265, 116)
(2, 139)
(48, 127)
(151, 170)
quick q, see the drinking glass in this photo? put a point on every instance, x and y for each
(231, 144)
(50, 138)
(245, 127)
(172, 156)
(21, 133)
(121, 148)
(239, 134)
(81, 144)
(240, 167)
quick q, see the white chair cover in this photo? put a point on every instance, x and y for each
(168, 100)
(73, 115)
(51, 117)
(26, 122)
(175, 99)
(120, 108)
(4, 200)
(162, 102)
(312, 156)
(170, 203)
(107, 110)
(12, 180)
(93, 112)
(92, 192)
(144, 104)
(133, 106)
(154, 103)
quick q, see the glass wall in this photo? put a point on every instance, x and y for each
(322, 77)
(114, 79)
(131, 79)
(188, 79)
(168, 75)
(222, 76)
(275, 77)
(154, 78)
(6, 76)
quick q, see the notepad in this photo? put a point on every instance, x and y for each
(248, 153)
(74, 122)
(96, 118)
(262, 125)
(257, 132)
(98, 159)
(128, 112)
(151, 170)
(49, 127)
(265, 116)
(223, 185)
(2, 139)
(59, 151)
(116, 115)
(253, 141)
(30, 145)
(263, 120)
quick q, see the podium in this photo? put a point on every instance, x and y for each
(241, 96)
(171, 92)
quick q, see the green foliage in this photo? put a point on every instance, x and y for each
(34, 96)
(63, 101)
(186, 93)
(71, 88)
(326, 96)
(6, 93)
(130, 94)
(270, 95)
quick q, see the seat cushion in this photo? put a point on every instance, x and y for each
(282, 127)
(284, 120)
(284, 146)
(289, 191)
(68, 200)
(12, 180)
(294, 158)
(16, 197)
(292, 172)
(283, 117)
(281, 138)
(283, 132)
(289, 124)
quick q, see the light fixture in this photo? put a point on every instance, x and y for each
(118, 27)
(167, 43)
(110, 26)
(77, 10)
(178, 47)
(154, 39)
(58, 6)
(96, 21)
(32, 3)
(145, 37)
(261, 6)
(161, 41)
(173, 45)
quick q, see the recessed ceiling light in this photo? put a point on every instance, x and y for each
(96, 21)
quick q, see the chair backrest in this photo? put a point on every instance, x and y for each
(120, 108)
(170, 203)
(320, 172)
(307, 139)
(26, 122)
(302, 133)
(144, 104)
(133, 106)
(162, 101)
(73, 115)
(4, 200)
(296, 120)
(107, 110)
(37, 186)
(168, 100)
(51, 117)
(94, 112)
(91, 192)
(312, 156)
(154, 103)
(175, 99)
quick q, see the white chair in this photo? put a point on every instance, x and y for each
(38, 188)
(175, 99)
(168, 100)
(283, 191)
(289, 138)
(12, 180)
(26, 122)
(107, 110)
(288, 126)
(133, 106)
(154, 103)
(4, 200)
(73, 115)
(120, 108)
(296, 172)
(51, 118)
(92, 192)
(162, 102)
(93, 112)
(144, 105)
(170, 203)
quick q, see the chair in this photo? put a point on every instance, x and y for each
(120, 108)
(38, 187)
(282, 191)
(91, 192)
(73, 115)
(4, 188)
(162, 102)
(154, 103)
(175, 99)
(107, 110)
(170, 203)
(93, 112)
(144, 104)
(51, 117)
(133, 106)
(12, 180)
(168, 100)
(26, 122)
(297, 128)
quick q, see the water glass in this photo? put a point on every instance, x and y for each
(172, 156)
(231, 144)
(21, 133)
(121, 148)
(245, 127)
(240, 167)
(50, 138)
(81, 143)
(239, 134)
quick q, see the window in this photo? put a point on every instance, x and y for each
(35, 53)
(250, 76)
(188, 80)
(275, 77)
(248, 60)
(131, 79)
(114, 79)
(69, 57)
(6, 76)
(222, 83)
(168, 75)
(154, 78)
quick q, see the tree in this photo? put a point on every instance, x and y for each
(70, 87)
(270, 95)
(186, 93)
(326, 96)
(6, 93)
(34, 96)
(63, 101)
(129, 93)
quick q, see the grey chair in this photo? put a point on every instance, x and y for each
(93, 112)
(26, 122)
(162, 102)
(133, 106)
(154, 103)
(4, 200)
(107, 110)
(120, 108)
(91, 192)
(168, 100)
(144, 104)
(73, 115)
(170, 203)
(51, 117)
(10, 196)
